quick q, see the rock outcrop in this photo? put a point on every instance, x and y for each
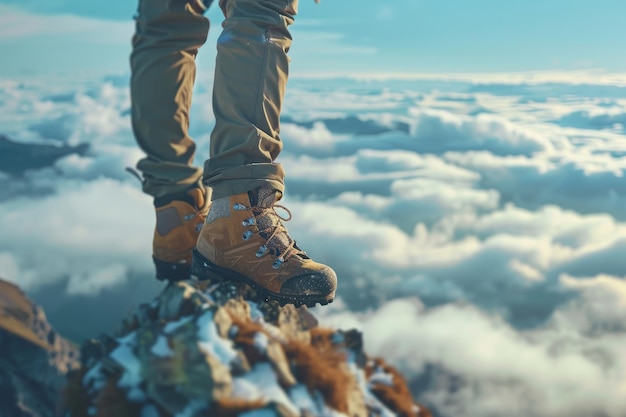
(205, 350)
(34, 359)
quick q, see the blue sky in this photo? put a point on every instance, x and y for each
(343, 36)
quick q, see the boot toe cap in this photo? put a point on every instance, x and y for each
(320, 282)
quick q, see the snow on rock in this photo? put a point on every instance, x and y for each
(161, 348)
(202, 350)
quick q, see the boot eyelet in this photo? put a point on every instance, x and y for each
(189, 217)
(247, 234)
(278, 263)
(238, 207)
(262, 251)
(249, 222)
(199, 227)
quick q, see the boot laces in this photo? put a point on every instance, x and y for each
(201, 214)
(204, 210)
(270, 226)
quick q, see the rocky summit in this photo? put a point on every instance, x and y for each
(34, 359)
(202, 349)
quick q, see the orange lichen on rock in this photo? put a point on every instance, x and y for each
(112, 402)
(322, 369)
(396, 396)
(75, 396)
(424, 412)
(187, 352)
(321, 339)
(244, 339)
(233, 407)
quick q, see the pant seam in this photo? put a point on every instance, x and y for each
(259, 94)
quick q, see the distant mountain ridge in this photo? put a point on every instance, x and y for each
(17, 158)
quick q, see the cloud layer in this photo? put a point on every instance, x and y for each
(478, 228)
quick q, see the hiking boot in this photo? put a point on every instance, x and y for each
(178, 223)
(245, 240)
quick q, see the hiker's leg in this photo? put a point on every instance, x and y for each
(250, 79)
(243, 238)
(168, 35)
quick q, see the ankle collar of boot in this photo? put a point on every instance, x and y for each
(183, 196)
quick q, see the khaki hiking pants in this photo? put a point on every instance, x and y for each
(250, 78)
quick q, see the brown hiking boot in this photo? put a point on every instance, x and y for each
(178, 223)
(244, 240)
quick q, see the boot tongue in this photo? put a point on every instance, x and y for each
(264, 197)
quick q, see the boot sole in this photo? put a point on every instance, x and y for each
(166, 271)
(203, 269)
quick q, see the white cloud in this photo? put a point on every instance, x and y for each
(494, 369)
(505, 260)
(89, 116)
(83, 230)
(92, 283)
(532, 78)
(477, 199)
(9, 269)
(442, 131)
(601, 308)
(607, 117)
(582, 181)
(16, 24)
(420, 200)
(310, 140)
